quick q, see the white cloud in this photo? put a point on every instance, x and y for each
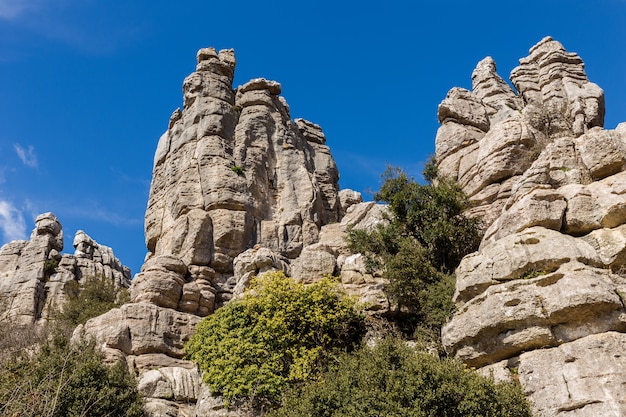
(28, 157)
(12, 222)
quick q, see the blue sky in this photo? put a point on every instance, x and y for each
(87, 86)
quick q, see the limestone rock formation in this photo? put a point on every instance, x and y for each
(543, 298)
(238, 189)
(233, 171)
(33, 273)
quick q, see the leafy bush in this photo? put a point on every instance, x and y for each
(67, 381)
(50, 377)
(281, 332)
(432, 214)
(94, 297)
(393, 380)
(421, 244)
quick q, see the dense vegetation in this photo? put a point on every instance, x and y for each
(394, 380)
(94, 297)
(420, 245)
(281, 332)
(292, 345)
(50, 377)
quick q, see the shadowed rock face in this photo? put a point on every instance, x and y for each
(33, 272)
(544, 295)
(234, 171)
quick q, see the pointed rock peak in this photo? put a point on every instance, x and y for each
(500, 100)
(221, 63)
(554, 81)
(487, 64)
(545, 45)
(47, 224)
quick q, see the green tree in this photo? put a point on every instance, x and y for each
(424, 239)
(393, 380)
(281, 332)
(62, 380)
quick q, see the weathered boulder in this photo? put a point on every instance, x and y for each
(582, 378)
(256, 262)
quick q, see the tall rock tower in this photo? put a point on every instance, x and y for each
(238, 188)
(234, 171)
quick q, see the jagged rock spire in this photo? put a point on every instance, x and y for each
(233, 170)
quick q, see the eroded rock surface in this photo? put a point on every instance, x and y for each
(234, 171)
(543, 298)
(238, 189)
(33, 273)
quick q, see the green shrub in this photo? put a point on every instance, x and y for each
(49, 267)
(67, 381)
(47, 376)
(281, 332)
(237, 170)
(393, 380)
(94, 297)
(421, 244)
(432, 214)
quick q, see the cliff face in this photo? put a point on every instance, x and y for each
(233, 171)
(33, 273)
(543, 298)
(240, 189)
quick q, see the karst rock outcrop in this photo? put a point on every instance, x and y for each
(542, 300)
(238, 189)
(34, 273)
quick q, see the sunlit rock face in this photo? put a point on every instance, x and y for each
(234, 170)
(542, 300)
(238, 189)
(34, 273)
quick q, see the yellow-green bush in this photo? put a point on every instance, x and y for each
(281, 332)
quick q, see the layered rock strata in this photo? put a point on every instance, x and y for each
(543, 298)
(238, 189)
(33, 273)
(233, 171)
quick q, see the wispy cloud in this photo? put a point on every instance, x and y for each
(95, 27)
(12, 9)
(12, 222)
(28, 157)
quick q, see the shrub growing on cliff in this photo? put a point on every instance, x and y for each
(424, 240)
(394, 380)
(94, 297)
(281, 332)
(67, 381)
(51, 377)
